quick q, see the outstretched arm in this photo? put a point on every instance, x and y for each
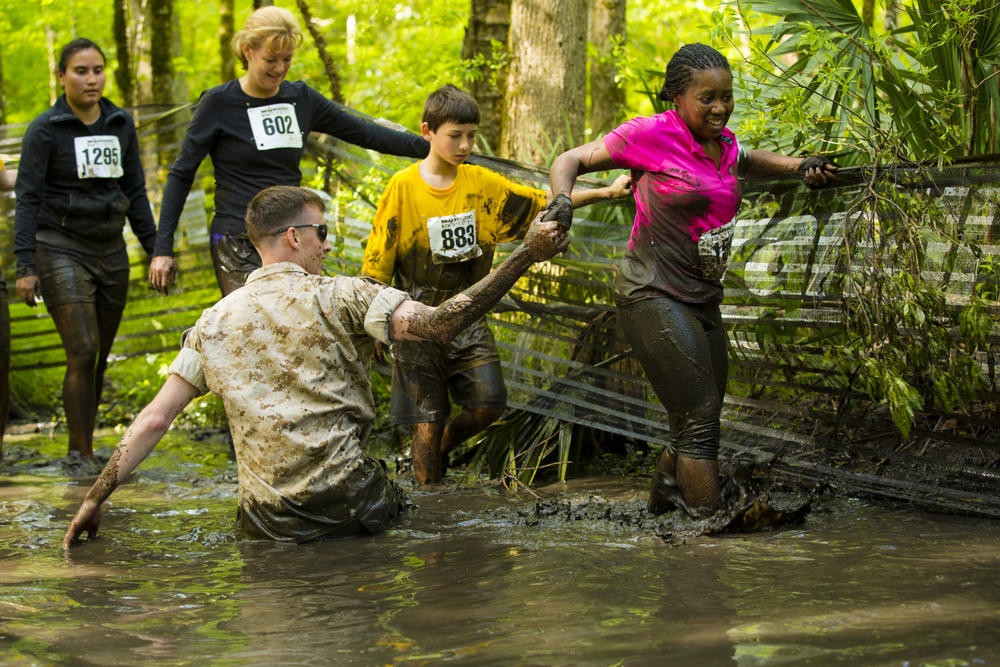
(413, 320)
(576, 161)
(140, 439)
(621, 188)
(816, 171)
(565, 170)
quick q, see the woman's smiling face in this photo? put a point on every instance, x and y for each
(707, 103)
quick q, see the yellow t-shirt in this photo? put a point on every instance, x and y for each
(435, 243)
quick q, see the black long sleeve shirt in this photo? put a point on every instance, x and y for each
(255, 143)
(59, 195)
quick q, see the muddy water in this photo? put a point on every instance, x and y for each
(476, 577)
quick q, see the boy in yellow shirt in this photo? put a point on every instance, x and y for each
(435, 232)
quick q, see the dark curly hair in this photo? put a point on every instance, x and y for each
(689, 59)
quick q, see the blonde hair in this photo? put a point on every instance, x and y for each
(271, 27)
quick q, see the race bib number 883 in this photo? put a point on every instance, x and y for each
(453, 238)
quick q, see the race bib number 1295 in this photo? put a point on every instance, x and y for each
(98, 156)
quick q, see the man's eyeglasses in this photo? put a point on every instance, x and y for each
(321, 230)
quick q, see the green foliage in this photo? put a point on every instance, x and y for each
(131, 385)
(821, 80)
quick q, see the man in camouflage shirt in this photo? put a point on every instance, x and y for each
(289, 355)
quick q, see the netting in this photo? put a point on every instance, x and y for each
(565, 359)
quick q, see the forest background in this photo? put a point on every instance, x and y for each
(873, 84)
(382, 58)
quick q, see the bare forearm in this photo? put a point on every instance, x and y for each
(563, 175)
(139, 440)
(586, 197)
(143, 435)
(459, 312)
(767, 163)
(580, 160)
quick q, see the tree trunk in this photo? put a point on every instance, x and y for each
(328, 65)
(546, 87)
(257, 4)
(123, 54)
(161, 49)
(161, 63)
(607, 97)
(3, 97)
(227, 28)
(486, 43)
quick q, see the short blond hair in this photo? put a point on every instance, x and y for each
(272, 27)
(276, 207)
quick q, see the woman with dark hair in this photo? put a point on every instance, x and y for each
(685, 168)
(78, 180)
(255, 129)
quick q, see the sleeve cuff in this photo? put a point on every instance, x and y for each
(188, 365)
(377, 317)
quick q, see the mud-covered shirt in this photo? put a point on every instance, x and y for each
(289, 355)
(435, 243)
(680, 242)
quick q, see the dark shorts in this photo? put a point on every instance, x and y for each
(234, 258)
(67, 277)
(424, 374)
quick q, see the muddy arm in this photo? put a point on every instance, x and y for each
(415, 321)
(140, 439)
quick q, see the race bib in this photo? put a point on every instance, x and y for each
(453, 238)
(713, 250)
(275, 126)
(98, 156)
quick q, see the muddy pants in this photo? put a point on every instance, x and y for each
(234, 258)
(683, 349)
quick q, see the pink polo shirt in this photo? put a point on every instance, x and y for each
(685, 204)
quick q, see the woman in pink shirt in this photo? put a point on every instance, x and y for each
(685, 168)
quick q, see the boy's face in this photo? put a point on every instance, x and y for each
(451, 142)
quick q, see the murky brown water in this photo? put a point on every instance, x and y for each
(466, 580)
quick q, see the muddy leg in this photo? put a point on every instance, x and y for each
(426, 449)
(664, 489)
(699, 482)
(107, 324)
(466, 424)
(77, 324)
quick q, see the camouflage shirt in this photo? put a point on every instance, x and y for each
(289, 355)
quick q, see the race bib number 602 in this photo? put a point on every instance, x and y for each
(275, 126)
(453, 238)
(99, 156)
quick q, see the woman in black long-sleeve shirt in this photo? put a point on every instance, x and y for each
(254, 128)
(78, 180)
